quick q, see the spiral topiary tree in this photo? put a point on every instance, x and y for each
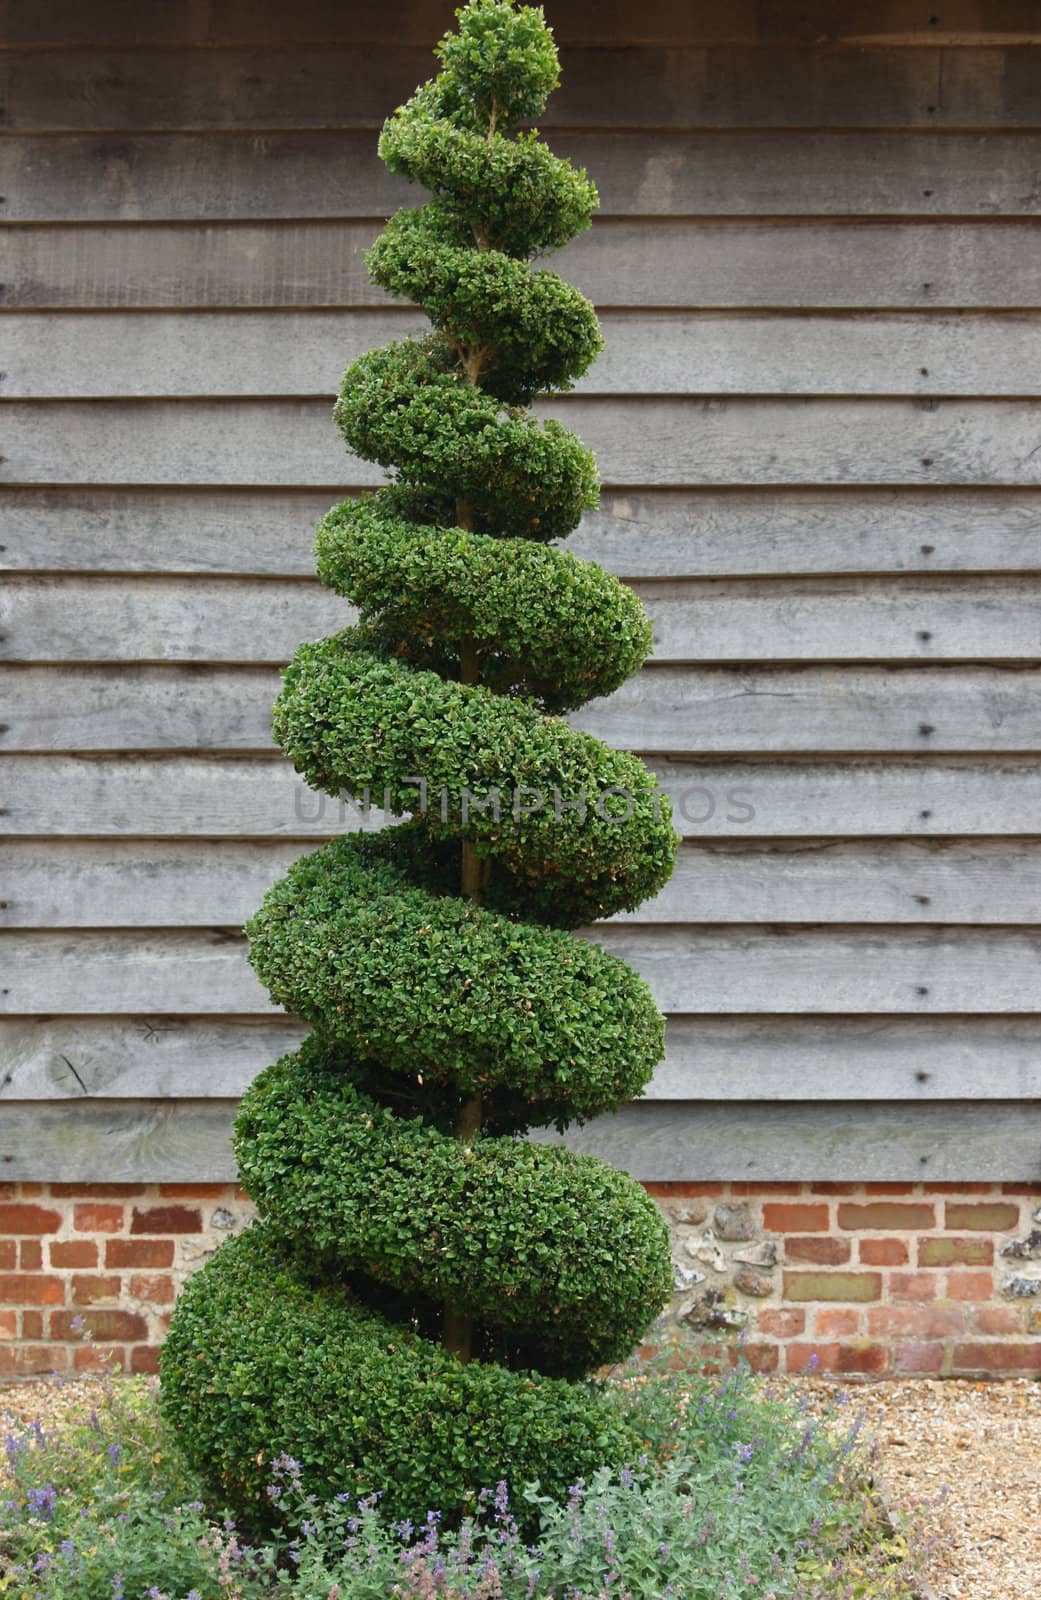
(425, 1293)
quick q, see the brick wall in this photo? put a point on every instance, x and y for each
(106, 1258)
(878, 1279)
(871, 1279)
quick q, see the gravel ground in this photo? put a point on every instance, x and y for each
(962, 1459)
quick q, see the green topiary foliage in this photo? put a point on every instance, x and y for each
(421, 1305)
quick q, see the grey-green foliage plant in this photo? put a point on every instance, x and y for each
(420, 1307)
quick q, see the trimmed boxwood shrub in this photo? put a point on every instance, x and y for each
(426, 1297)
(267, 1355)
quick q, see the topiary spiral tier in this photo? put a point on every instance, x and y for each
(421, 1302)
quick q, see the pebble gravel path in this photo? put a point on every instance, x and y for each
(964, 1460)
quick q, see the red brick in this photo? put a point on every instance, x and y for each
(156, 1289)
(998, 1217)
(166, 1219)
(97, 1191)
(760, 1357)
(85, 1358)
(96, 1217)
(676, 1191)
(8, 1324)
(871, 1358)
(30, 1255)
(835, 1322)
(192, 1191)
(959, 1188)
(834, 1188)
(781, 1218)
(31, 1360)
(144, 1358)
(95, 1291)
(909, 1358)
(970, 1285)
(832, 1286)
(889, 1188)
(916, 1286)
(818, 1248)
(32, 1324)
(31, 1289)
(917, 1322)
(997, 1321)
(8, 1255)
(997, 1357)
(1025, 1189)
(74, 1253)
(955, 1252)
(28, 1219)
(105, 1326)
(781, 1324)
(139, 1252)
(883, 1252)
(745, 1190)
(811, 1357)
(27, 1189)
(888, 1216)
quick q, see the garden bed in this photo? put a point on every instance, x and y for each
(766, 1494)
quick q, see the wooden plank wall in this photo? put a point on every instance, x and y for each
(818, 421)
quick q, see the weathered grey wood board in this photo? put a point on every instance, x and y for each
(51, 23)
(822, 709)
(917, 971)
(862, 265)
(354, 85)
(123, 1140)
(665, 710)
(639, 441)
(737, 1058)
(186, 177)
(657, 533)
(130, 1141)
(107, 1058)
(74, 355)
(938, 1142)
(202, 883)
(825, 619)
(203, 796)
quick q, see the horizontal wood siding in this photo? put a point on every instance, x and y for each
(818, 421)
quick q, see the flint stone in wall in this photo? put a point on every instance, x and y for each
(763, 1254)
(749, 1281)
(705, 1249)
(685, 1211)
(1028, 1249)
(686, 1277)
(711, 1310)
(194, 1253)
(734, 1223)
(1022, 1288)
